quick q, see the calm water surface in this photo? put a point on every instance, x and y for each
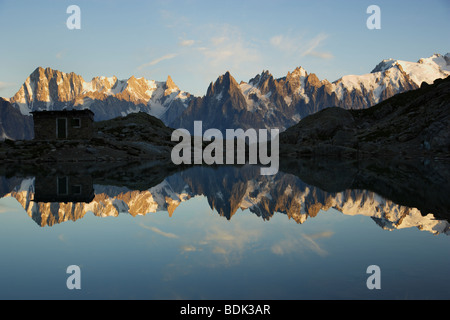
(217, 234)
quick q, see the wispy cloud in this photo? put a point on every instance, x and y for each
(158, 60)
(306, 242)
(186, 42)
(287, 44)
(301, 45)
(229, 245)
(9, 205)
(320, 235)
(61, 54)
(214, 48)
(322, 55)
(173, 20)
(188, 248)
(313, 44)
(227, 49)
(6, 85)
(160, 232)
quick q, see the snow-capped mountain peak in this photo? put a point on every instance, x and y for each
(262, 102)
(229, 190)
(269, 102)
(424, 70)
(107, 97)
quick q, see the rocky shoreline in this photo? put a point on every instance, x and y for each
(135, 137)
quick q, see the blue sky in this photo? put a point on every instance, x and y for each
(195, 41)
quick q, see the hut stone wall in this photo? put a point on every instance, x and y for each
(63, 125)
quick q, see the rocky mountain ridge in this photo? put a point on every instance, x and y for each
(229, 190)
(267, 102)
(411, 124)
(107, 97)
(13, 124)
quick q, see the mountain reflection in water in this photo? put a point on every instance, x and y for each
(395, 195)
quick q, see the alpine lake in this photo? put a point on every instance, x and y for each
(316, 230)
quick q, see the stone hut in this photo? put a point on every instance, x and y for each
(63, 125)
(64, 188)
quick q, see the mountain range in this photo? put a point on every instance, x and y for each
(229, 190)
(262, 102)
(412, 124)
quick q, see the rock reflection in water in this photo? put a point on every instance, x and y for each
(395, 195)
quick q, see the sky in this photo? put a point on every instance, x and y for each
(195, 41)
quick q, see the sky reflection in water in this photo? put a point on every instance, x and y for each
(195, 253)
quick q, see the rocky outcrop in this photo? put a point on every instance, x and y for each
(47, 86)
(14, 125)
(135, 137)
(222, 107)
(411, 124)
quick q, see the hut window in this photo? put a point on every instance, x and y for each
(76, 189)
(76, 123)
